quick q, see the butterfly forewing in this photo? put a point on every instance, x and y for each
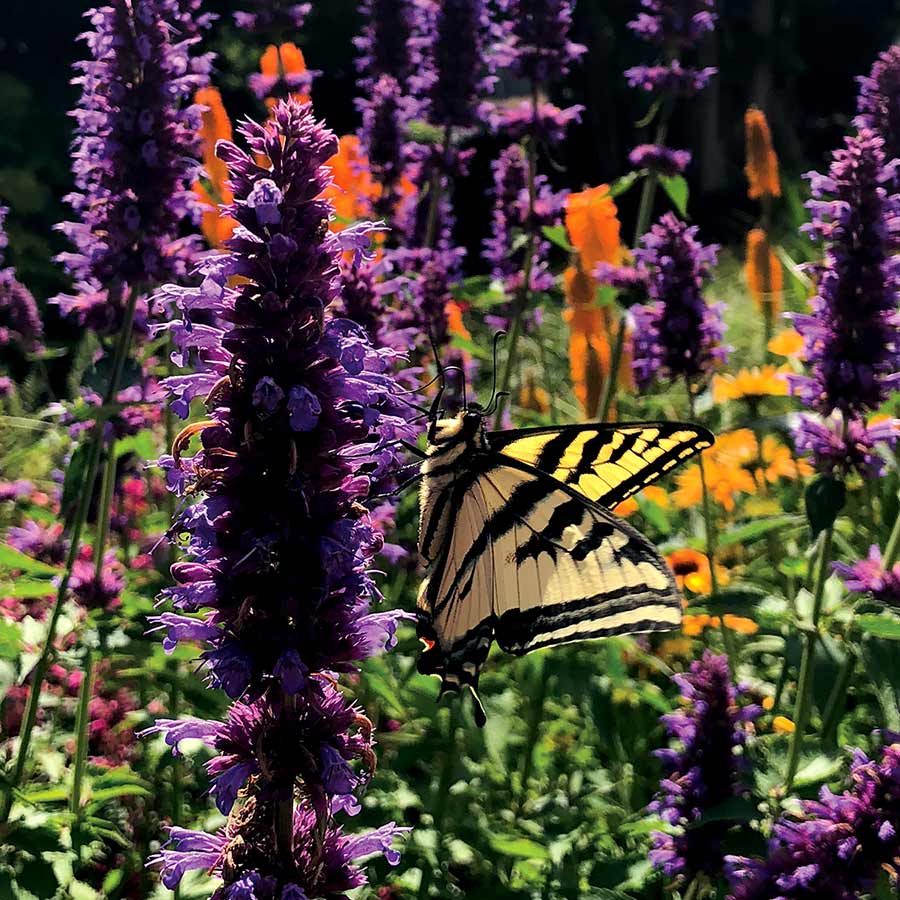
(605, 463)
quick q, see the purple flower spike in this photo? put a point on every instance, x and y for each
(301, 419)
(671, 78)
(678, 335)
(839, 847)
(835, 450)
(704, 772)
(851, 337)
(535, 39)
(20, 322)
(389, 42)
(675, 23)
(134, 155)
(273, 16)
(879, 101)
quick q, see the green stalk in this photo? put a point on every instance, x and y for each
(82, 723)
(534, 727)
(434, 190)
(78, 523)
(803, 705)
(442, 796)
(892, 550)
(106, 495)
(831, 717)
(524, 295)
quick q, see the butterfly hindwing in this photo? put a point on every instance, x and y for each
(605, 463)
(533, 563)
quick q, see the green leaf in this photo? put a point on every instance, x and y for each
(461, 343)
(76, 473)
(26, 588)
(142, 445)
(10, 558)
(820, 768)
(885, 626)
(752, 530)
(558, 235)
(520, 847)
(676, 187)
(825, 497)
(424, 133)
(623, 184)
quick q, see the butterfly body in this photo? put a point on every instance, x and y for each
(521, 545)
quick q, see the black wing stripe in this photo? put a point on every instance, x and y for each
(589, 454)
(517, 507)
(569, 513)
(553, 451)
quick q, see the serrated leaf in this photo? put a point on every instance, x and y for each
(520, 847)
(558, 235)
(885, 626)
(676, 187)
(825, 498)
(753, 530)
(623, 184)
(10, 558)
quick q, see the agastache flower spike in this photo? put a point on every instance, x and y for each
(852, 336)
(20, 321)
(273, 16)
(134, 151)
(301, 421)
(839, 847)
(677, 335)
(704, 772)
(879, 101)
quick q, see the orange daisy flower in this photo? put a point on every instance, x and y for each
(750, 384)
(787, 343)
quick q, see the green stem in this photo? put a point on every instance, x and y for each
(442, 797)
(803, 705)
(39, 672)
(434, 200)
(534, 727)
(103, 508)
(838, 699)
(521, 304)
(892, 550)
(82, 723)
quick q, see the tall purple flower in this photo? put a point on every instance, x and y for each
(273, 16)
(389, 43)
(455, 76)
(20, 322)
(879, 101)
(301, 413)
(678, 334)
(674, 26)
(851, 337)
(134, 157)
(535, 39)
(839, 847)
(704, 772)
(512, 218)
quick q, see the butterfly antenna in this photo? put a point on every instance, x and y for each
(436, 403)
(493, 407)
(497, 338)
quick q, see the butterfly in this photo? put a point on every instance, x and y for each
(520, 542)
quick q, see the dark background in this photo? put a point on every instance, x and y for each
(797, 58)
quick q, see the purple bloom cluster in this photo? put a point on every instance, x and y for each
(837, 447)
(704, 772)
(671, 78)
(674, 23)
(321, 869)
(504, 250)
(389, 43)
(841, 845)
(660, 159)
(20, 322)
(879, 101)
(535, 39)
(870, 577)
(851, 337)
(301, 419)
(678, 335)
(455, 75)
(134, 156)
(273, 16)
(544, 121)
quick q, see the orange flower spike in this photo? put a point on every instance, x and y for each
(532, 396)
(215, 126)
(593, 226)
(589, 350)
(762, 161)
(765, 276)
(352, 189)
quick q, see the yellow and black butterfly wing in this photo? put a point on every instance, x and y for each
(532, 563)
(606, 463)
